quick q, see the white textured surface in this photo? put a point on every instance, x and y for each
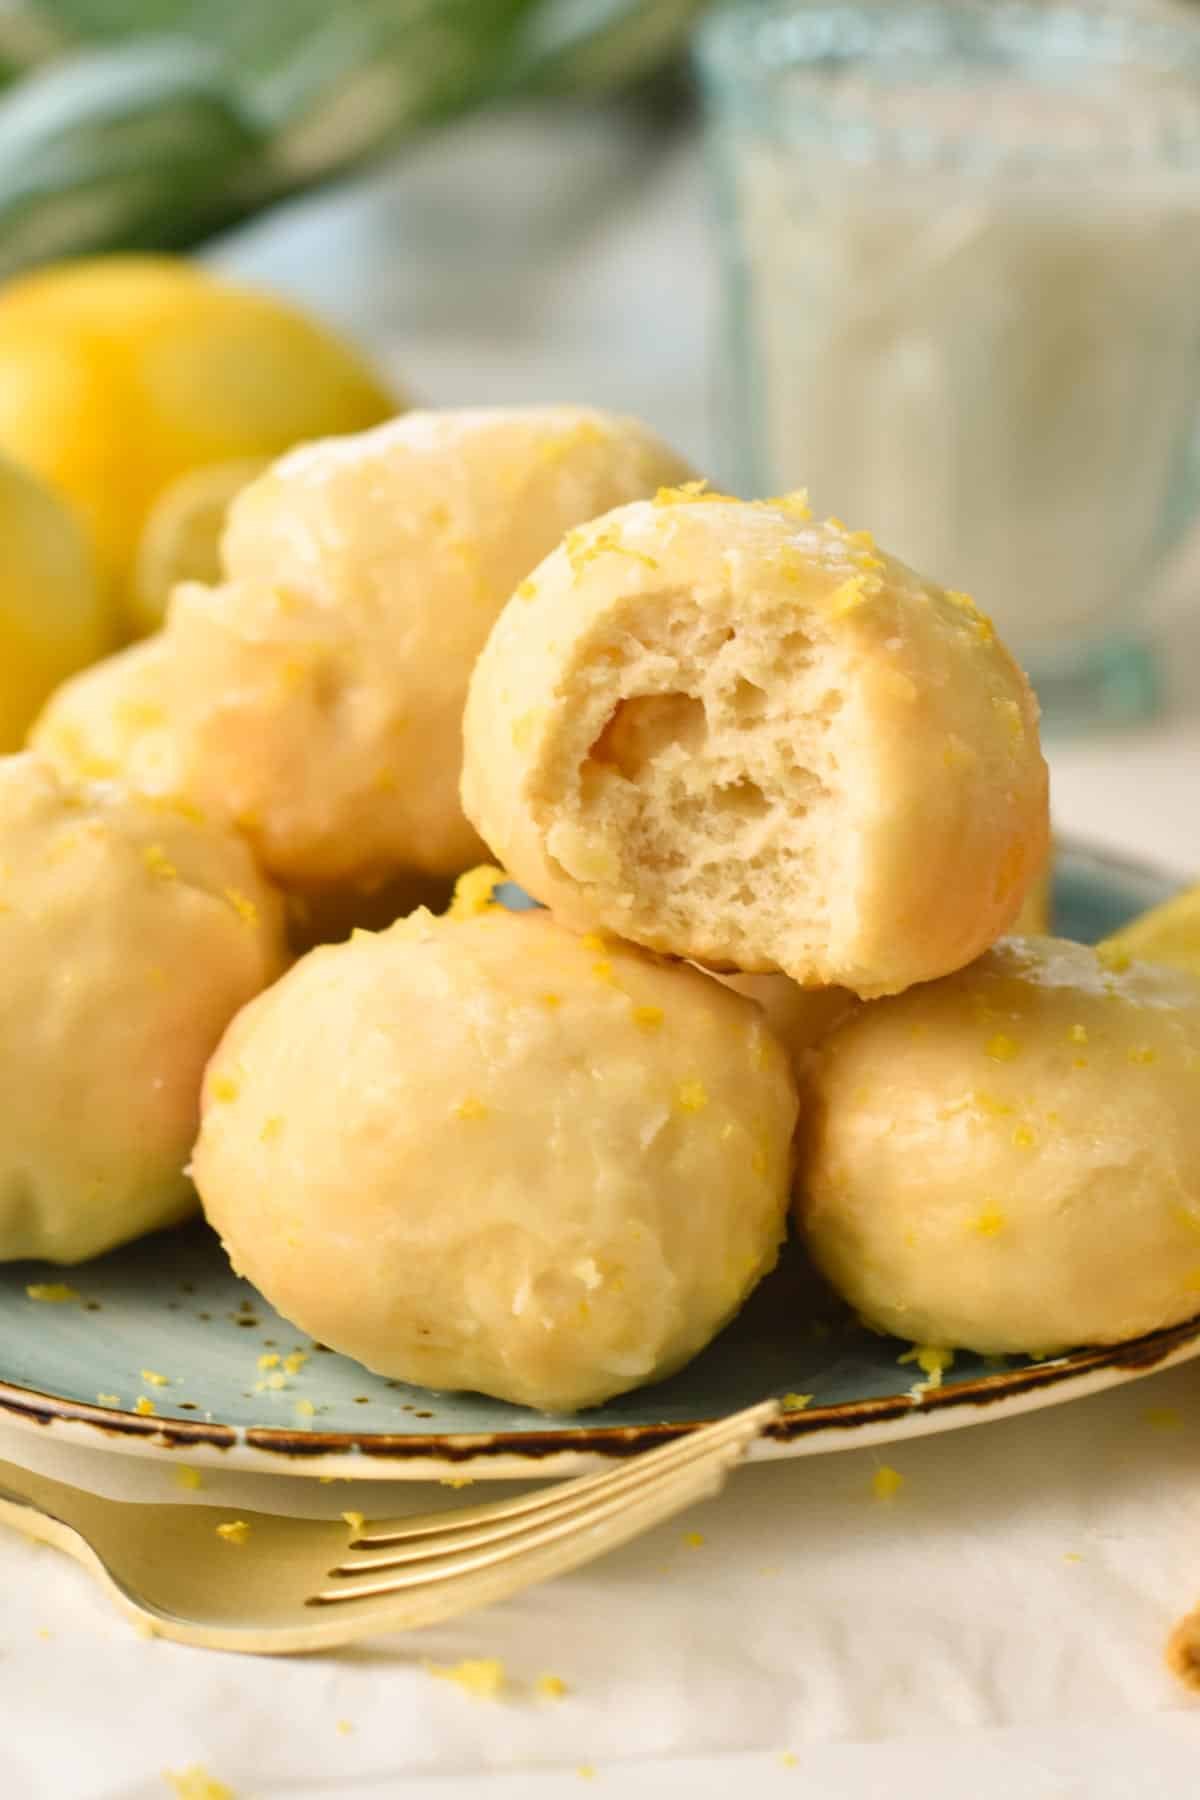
(883, 1644)
(938, 1646)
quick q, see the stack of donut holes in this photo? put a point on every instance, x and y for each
(779, 799)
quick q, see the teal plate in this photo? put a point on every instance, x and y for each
(170, 1305)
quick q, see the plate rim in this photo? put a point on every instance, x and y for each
(559, 1451)
(555, 1451)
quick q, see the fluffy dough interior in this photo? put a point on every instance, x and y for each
(715, 767)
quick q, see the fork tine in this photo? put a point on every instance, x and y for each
(482, 1580)
(568, 1538)
(395, 1549)
(552, 1497)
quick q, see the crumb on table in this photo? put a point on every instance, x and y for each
(197, 1784)
(886, 1482)
(480, 1676)
(1183, 1650)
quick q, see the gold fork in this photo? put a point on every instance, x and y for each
(272, 1586)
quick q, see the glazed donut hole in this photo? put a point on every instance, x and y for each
(732, 735)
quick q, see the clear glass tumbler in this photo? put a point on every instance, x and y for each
(961, 249)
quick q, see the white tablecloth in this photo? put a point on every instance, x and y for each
(997, 1628)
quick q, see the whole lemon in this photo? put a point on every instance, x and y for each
(120, 374)
(53, 617)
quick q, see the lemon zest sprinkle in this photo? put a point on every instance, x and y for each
(480, 1676)
(242, 905)
(471, 1108)
(196, 1783)
(689, 492)
(886, 1482)
(159, 863)
(474, 892)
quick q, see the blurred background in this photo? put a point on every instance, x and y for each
(940, 263)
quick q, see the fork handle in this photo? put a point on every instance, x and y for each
(43, 1509)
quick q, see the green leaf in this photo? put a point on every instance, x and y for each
(139, 146)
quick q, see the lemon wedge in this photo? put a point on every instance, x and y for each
(1169, 934)
(53, 618)
(1034, 918)
(181, 539)
(119, 375)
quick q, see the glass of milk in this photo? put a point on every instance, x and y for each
(961, 249)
